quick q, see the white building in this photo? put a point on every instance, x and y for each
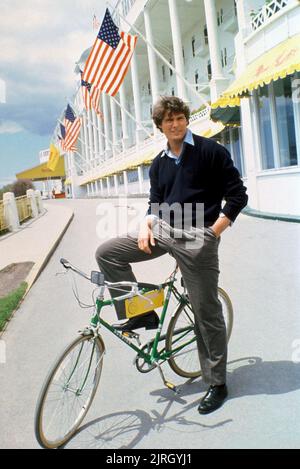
(214, 46)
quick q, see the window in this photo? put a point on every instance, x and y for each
(132, 175)
(285, 122)
(265, 128)
(163, 70)
(171, 71)
(224, 57)
(149, 88)
(183, 55)
(193, 45)
(173, 91)
(209, 70)
(205, 34)
(196, 79)
(278, 115)
(230, 138)
(146, 172)
(221, 15)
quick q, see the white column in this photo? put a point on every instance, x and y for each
(242, 7)
(86, 140)
(96, 137)
(11, 215)
(113, 112)
(125, 137)
(100, 136)
(106, 124)
(218, 81)
(39, 201)
(125, 182)
(90, 132)
(177, 47)
(108, 185)
(136, 97)
(31, 197)
(88, 190)
(140, 175)
(116, 184)
(151, 57)
(101, 188)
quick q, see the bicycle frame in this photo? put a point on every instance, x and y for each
(155, 355)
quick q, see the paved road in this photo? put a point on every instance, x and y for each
(260, 262)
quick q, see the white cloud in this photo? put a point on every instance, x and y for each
(9, 127)
(40, 42)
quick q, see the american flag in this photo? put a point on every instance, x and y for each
(109, 58)
(72, 129)
(62, 136)
(91, 97)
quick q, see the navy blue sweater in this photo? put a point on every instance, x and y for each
(205, 174)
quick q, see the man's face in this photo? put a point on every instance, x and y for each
(174, 126)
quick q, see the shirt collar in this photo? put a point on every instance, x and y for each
(187, 139)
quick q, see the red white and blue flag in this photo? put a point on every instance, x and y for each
(72, 128)
(91, 97)
(109, 59)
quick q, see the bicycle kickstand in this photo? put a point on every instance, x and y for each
(168, 384)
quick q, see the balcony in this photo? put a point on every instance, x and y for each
(267, 11)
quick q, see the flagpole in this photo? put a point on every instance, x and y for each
(162, 58)
(133, 118)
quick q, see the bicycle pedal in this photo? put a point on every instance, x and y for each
(131, 335)
(172, 387)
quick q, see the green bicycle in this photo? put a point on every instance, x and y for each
(71, 384)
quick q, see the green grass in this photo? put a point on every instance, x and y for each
(10, 302)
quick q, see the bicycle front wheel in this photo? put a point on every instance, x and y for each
(181, 339)
(68, 391)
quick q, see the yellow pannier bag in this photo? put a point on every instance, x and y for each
(142, 304)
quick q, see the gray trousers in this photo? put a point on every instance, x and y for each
(199, 266)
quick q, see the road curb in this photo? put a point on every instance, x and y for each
(270, 216)
(41, 264)
(38, 268)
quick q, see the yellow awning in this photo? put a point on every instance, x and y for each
(278, 62)
(68, 182)
(42, 172)
(225, 101)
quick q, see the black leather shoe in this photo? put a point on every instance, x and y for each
(148, 321)
(213, 399)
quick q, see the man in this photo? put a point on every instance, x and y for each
(191, 170)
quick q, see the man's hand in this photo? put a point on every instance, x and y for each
(220, 225)
(146, 236)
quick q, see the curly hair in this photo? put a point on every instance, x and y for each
(168, 105)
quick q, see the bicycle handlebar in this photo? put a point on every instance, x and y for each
(135, 286)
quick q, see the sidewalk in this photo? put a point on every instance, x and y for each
(37, 240)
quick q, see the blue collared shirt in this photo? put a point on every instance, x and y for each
(187, 139)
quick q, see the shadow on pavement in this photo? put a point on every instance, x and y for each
(246, 377)
(252, 376)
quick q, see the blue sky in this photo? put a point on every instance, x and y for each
(40, 41)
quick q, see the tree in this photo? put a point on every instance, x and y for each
(7, 188)
(20, 187)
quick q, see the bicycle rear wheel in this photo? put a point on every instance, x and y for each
(68, 391)
(180, 333)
